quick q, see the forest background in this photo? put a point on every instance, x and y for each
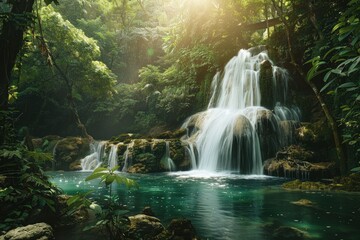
(117, 66)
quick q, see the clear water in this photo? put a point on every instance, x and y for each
(229, 206)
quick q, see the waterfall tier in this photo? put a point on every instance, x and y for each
(238, 130)
(137, 155)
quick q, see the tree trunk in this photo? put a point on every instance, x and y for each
(330, 119)
(11, 41)
(70, 99)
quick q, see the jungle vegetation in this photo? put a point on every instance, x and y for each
(98, 68)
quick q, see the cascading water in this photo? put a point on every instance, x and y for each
(127, 157)
(113, 156)
(235, 132)
(98, 155)
(167, 161)
(94, 159)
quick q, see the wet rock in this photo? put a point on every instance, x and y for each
(303, 202)
(177, 154)
(349, 183)
(182, 229)
(266, 85)
(145, 227)
(290, 233)
(146, 155)
(75, 166)
(195, 122)
(148, 211)
(318, 138)
(295, 152)
(268, 131)
(300, 185)
(242, 127)
(298, 169)
(296, 162)
(38, 231)
(68, 151)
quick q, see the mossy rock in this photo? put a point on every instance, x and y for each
(303, 202)
(159, 148)
(177, 152)
(70, 150)
(289, 233)
(349, 183)
(308, 185)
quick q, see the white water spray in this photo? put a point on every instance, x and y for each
(228, 136)
(94, 159)
(167, 161)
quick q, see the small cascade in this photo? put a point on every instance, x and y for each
(53, 167)
(113, 156)
(127, 157)
(246, 118)
(167, 161)
(94, 159)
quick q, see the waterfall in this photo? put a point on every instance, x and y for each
(53, 164)
(98, 155)
(94, 159)
(166, 160)
(113, 156)
(127, 157)
(235, 132)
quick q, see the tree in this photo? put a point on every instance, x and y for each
(14, 24)
(297, 15)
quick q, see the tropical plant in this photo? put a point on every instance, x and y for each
(339, 67)
(111, 219)
(25, 193)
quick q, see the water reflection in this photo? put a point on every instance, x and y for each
(227, 206)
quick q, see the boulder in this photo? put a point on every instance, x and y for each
(303, 202)
(307, 185)
(70, 150)
(182, 229)
(38, 231)
(145, 227)
(146, 155)
(295, 162)
(298, 169)
(290, 233)
(266, 85)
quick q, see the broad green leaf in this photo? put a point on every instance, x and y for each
(95, 176)
(100, 169)
(109, 179)
(115, 168)
(347, 85)
(357, 169)
(327, 85)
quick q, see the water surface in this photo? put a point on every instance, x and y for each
(230, 206)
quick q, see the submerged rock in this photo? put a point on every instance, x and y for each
(145, 227)
(289, 233)
(303, 202)
(182, 229)
(38, 231)
(299, 185)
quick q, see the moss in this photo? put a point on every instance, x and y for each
(299, 185)
(349, 183)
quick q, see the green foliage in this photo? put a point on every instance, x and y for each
(109, 176)
(26, 193)
(111, 220)
(340, 67)
(76, 202)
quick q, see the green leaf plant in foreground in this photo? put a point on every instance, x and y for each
(111, 220)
